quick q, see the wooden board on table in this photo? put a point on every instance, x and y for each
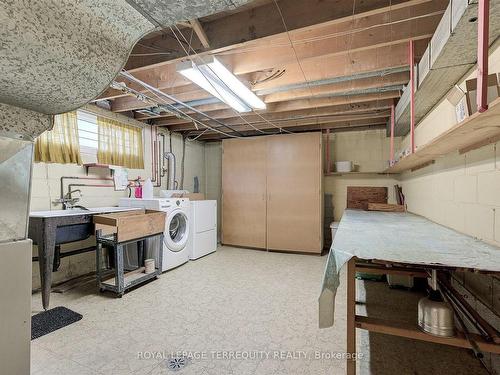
(386, 207)
(359, 196)
(131, 225)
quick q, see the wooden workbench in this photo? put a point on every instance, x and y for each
(403, 244)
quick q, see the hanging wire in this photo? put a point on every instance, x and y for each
(295, 53)
(349, 50)
(162, 28)
(332, 35)
(196, 55)
(170, 107)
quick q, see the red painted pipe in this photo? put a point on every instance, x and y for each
(392, 134)
(482, 54)
(328, 165)
(411, 59)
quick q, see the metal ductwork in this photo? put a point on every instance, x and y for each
(171, 170)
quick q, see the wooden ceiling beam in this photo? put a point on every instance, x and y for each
(241, 28)
(287, 122)
(370, 31)
(259, 58)
(200, 33)
(304, 104)
(378, 123)
(229, 116)
(318, 69)
(326, 102)
(313, 90)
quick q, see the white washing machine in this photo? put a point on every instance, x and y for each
(175, 251)
(203, 228)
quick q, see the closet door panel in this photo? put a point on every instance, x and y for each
(294, 191)
(244, 192)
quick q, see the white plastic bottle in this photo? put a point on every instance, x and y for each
(147, 189)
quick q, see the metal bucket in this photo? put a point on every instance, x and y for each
(436, 316)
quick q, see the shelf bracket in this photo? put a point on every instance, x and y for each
(482, 54)
(328, 163)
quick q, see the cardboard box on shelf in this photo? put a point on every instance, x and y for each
(471, 85)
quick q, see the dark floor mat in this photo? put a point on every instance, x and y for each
(52, 320)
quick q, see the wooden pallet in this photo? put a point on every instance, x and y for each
(386, 207)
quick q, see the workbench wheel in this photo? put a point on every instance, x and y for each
(101, 290)
(120, 295)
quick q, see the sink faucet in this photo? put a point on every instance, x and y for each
(70, 192)
(68, 201)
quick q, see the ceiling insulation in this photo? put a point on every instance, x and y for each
(169, 12)
(58, 55)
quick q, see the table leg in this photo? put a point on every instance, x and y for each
(98, 255)
(140, 253)
(46, 247)
(351, 316)
(160, 255)
(119, 269)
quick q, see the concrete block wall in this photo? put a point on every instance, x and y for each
(46, 188)
(370, 152)
(461, 192)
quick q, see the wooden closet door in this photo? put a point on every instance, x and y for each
(294, 193)
(244, 192)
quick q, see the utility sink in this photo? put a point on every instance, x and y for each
(49, 229)
(67, 231)
(79, 211)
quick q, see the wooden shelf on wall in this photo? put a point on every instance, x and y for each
(475, 131)
(97, 165)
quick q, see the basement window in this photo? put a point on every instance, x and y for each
(88, 136)
(109, 141)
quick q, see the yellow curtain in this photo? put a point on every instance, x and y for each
(119, 144)
(60, 145)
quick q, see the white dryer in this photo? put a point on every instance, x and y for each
(175, 251)
(203, 228)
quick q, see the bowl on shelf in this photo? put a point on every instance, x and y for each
(344, 166)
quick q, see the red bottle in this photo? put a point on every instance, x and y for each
(138, 188)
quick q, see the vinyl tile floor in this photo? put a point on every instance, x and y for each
(238, 312)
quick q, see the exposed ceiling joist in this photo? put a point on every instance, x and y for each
(357, 124)
(229, 116)
(336, 66)
(291, 122)
(240, 28)
(200, 33)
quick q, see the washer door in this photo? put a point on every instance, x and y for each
(176, 230)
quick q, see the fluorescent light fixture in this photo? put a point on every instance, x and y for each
(215, 78)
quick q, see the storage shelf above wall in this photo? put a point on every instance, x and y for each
(451, 53)
(475, 131)
(97, 165)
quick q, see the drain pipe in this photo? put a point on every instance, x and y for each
(171, 170)
(162, 152)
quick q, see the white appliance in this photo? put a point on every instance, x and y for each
(203, 228)
(15, 248)
(175, 252)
